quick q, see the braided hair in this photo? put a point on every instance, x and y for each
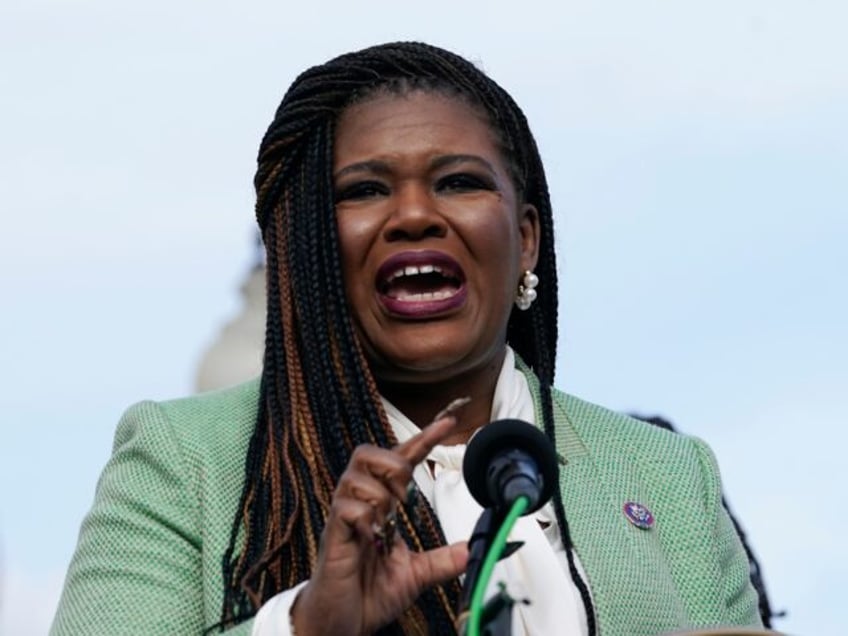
(318, 397)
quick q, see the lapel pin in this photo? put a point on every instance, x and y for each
(638, 515)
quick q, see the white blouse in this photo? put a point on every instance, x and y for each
(537, 572)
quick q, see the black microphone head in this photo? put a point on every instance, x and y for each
(502, 436)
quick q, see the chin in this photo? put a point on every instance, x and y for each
(419, 368)
(429, 366)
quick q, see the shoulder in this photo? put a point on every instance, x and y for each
(216, 425)
(613, 437)
(676, 477)
(161, 516)
(596, 424)
(217, 414)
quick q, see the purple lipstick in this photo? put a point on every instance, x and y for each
(421, 284)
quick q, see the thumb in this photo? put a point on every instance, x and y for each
(440, 565)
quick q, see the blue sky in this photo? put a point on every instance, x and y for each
(698, 160)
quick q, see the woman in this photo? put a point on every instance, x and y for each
(409, 240)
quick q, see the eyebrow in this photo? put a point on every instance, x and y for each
(376, 166)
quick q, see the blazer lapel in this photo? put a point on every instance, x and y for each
(627, 571)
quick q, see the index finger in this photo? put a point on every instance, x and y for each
(416, 448)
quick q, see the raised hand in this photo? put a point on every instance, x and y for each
(366, 576)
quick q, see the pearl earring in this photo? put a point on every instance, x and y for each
(526, 290)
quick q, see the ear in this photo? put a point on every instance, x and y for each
(529, 231)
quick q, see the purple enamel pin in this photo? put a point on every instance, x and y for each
(638, 515)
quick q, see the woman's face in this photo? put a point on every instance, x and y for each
(433, 238)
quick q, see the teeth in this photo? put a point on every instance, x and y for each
(426, 296)
(413, 270)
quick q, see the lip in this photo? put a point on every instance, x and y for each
(421, 309)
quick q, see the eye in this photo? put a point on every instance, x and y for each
(464, 182)
(360, 191)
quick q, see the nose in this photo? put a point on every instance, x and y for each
(415, 215)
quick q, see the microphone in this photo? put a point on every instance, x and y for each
(504, 460)
(509, 458)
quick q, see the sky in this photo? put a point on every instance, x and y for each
(697, 155)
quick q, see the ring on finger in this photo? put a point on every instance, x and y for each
(384, 535)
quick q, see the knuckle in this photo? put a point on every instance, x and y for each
(361, 452)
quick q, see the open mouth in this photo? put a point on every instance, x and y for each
(421, 283)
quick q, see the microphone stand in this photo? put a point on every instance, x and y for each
(497, 613)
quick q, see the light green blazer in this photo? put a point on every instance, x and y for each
(148, 560)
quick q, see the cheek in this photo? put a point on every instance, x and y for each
(353, 232)
(496, 240)
(505, 257)
(356, 234)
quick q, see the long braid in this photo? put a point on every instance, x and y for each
(318, 397)
(537, 329)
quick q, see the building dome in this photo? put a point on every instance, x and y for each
(236, 356)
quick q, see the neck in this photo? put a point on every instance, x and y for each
(421, 402)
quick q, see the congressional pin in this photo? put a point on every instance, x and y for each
(638, 515)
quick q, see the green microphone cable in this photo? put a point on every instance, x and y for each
(492, 557)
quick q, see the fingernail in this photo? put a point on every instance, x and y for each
(451, 408)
